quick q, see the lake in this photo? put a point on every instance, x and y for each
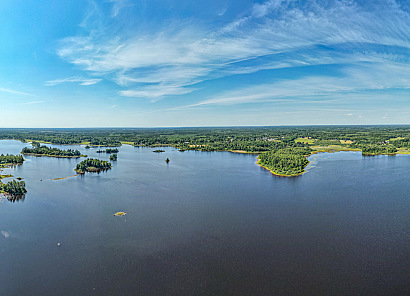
(207, 223)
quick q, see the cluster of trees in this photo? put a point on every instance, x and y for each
(378, 149)
(113, 157)
(108, 151)
(48, 151)
(11, 159)
(14, 187)
(92, 165)
(400, 142)
(287, 162)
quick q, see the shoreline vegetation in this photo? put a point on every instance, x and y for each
(277, 147)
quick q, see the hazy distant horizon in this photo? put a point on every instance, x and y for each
(215, 126)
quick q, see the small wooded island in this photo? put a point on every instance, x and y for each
(38, 150)
(10, 159)
(92, 165)
(113, 157)
(12, 188)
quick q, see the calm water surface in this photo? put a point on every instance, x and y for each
(207, 224)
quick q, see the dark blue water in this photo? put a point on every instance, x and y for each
(207, 224)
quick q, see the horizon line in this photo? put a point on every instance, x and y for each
(216, 126)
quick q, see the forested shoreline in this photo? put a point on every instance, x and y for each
(276, 146)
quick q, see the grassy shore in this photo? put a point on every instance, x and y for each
(332, 148)
(403, 151)
(245, 152)
(56, 179)
(305, 140)
(6, 176)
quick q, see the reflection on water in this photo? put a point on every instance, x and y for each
(16, 198)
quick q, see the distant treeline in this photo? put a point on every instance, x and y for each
(212, 139)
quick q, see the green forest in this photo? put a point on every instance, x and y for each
(378, 150)
(286, 162)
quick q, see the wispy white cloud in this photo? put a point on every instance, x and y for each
(222, 11)
(15, 92)
(118, 5)
(172, 59)
(77, 79)
(33, 102)
(261, 10)
(154, 92)
(317, 89)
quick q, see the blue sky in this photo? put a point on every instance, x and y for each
(148, 63)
